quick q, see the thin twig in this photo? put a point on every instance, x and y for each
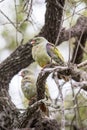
(16, 22)
(78, 44)
(82, 64)
(12, 23)
(70, 36)
(62, 101)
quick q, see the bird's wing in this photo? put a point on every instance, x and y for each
(54, 53)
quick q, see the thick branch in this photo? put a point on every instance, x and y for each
(18, 60)
(75, 31)
(41, 82)
(33, 118)
(8, 112)
(53, 18)
(63, 72)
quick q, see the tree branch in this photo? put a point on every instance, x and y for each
(18, 60)
(64, 72)
(75, 31)
(53, 18)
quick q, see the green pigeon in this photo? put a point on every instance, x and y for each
(44, 52)
(28, 85)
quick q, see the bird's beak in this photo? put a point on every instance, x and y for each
(21, 74)
(32, 41)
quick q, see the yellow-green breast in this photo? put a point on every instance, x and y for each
(40, 55)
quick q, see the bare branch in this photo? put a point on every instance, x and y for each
(82, 85)
(83, 64)
(63, 72)
(53, 17)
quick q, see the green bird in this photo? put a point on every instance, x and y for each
(28, 85)
(25, 72)
(44, 52)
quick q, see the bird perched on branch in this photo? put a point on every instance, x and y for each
(28, 85)
(44, 52)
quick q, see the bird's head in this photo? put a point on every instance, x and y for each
(30, 79)
(24, 72)
(37, 40)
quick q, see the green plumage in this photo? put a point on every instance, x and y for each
(28, 84)
(44, 52)
(28, 87)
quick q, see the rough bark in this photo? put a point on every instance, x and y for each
(41, 82)
(74, 31)
(53, 19)
(81, 40)
(18, 60)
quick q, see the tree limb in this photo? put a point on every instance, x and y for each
(53, 19)
(64, 72)
(18, 60)
(75, 31)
